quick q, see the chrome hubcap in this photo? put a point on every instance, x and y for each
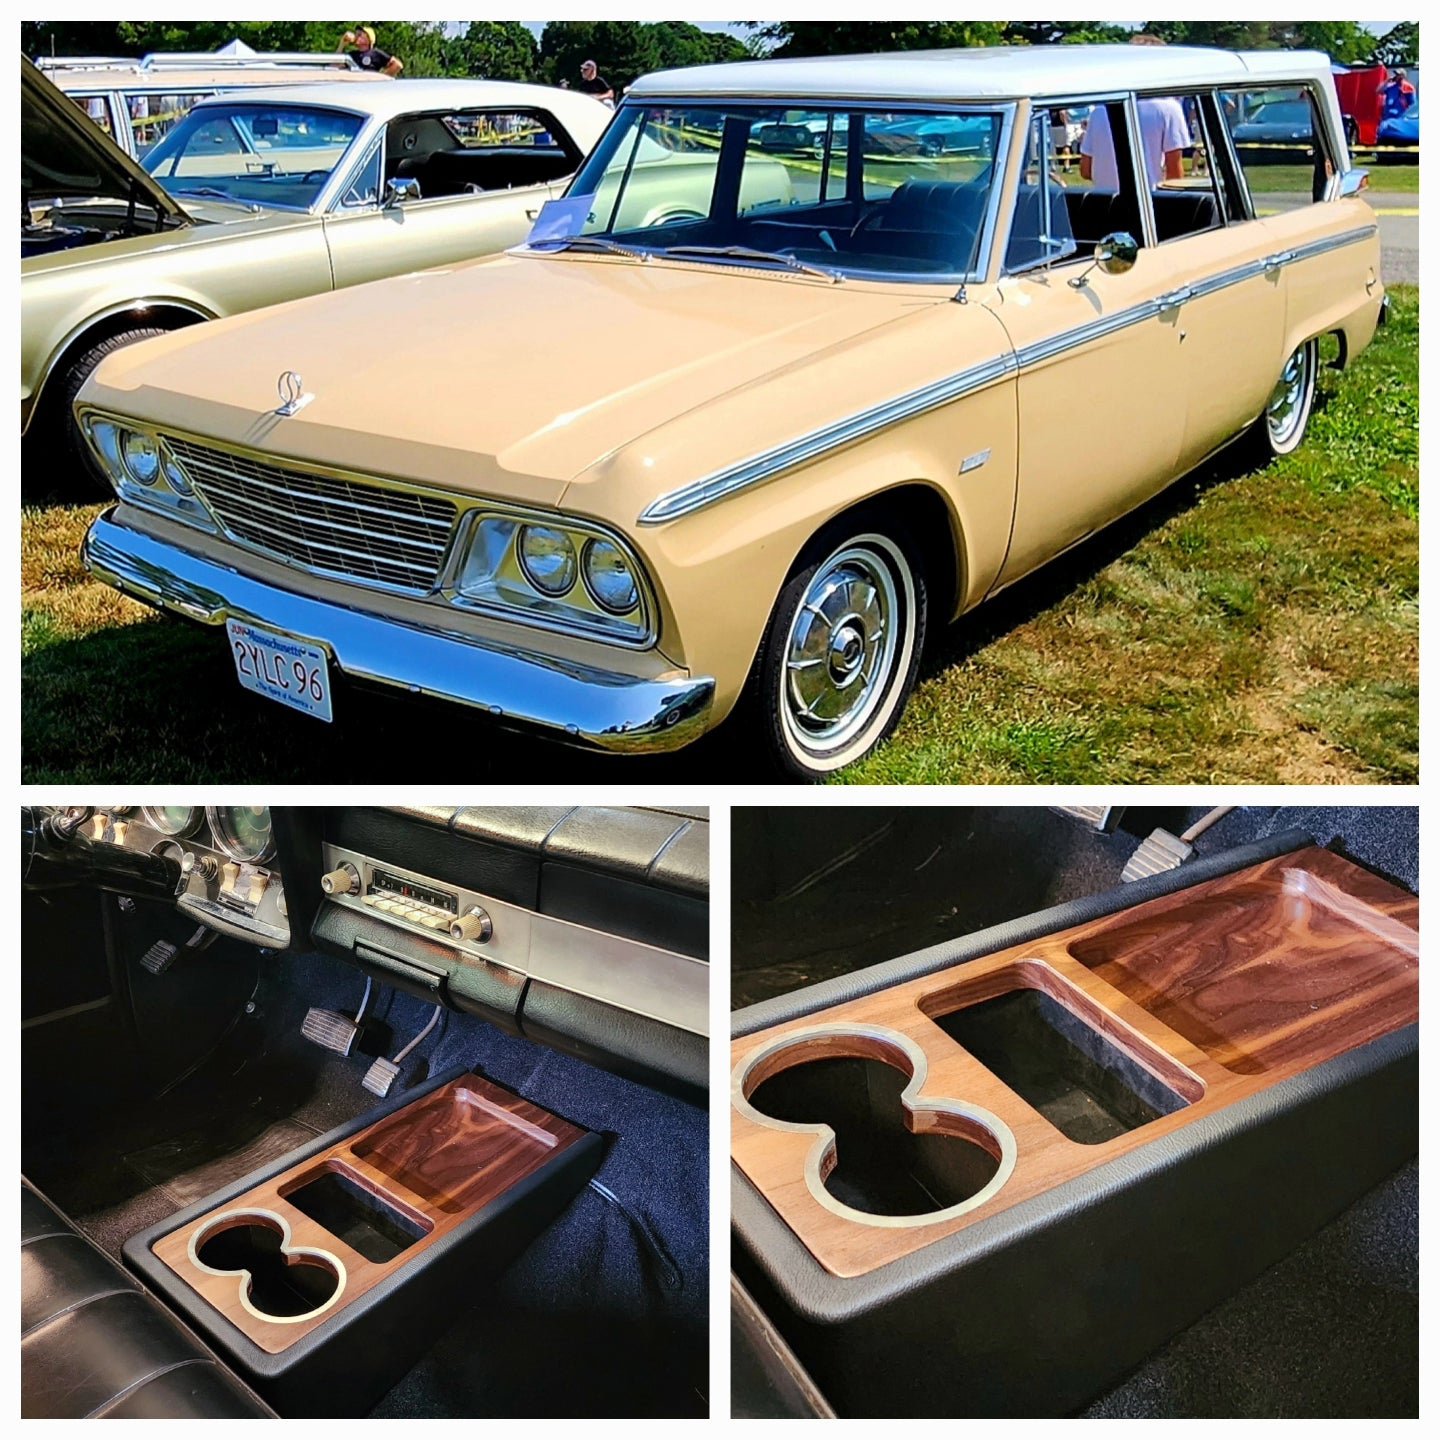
(841, 649)
(1289, 398)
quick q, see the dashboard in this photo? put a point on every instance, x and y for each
(583, 927)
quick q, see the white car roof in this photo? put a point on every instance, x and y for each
(583, 117)
(994, 73)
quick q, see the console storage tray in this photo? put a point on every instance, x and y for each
(365, 1233)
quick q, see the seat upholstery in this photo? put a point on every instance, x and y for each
(93, 1343)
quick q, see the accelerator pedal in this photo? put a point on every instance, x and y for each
(381, 1075)
(333, 1031)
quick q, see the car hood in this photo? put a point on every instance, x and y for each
(65, 155)
(509, 377)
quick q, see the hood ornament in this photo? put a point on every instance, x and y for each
(293, 398)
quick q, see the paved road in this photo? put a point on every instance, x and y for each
(1399, 217)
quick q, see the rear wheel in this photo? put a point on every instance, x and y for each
(1282, 427)
(73, 452)
(839, 656)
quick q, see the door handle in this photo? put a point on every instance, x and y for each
(1173, 299)
(1273, 263)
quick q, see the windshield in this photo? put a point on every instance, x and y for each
(273, 155)
(893, 193)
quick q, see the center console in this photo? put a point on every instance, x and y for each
(987, 1183)
(324, 1276)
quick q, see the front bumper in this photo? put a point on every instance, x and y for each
(573, 702)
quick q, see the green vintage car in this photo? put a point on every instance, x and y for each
(254, 199)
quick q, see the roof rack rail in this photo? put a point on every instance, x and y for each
(203, 60)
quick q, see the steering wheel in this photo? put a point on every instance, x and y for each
(313, 175)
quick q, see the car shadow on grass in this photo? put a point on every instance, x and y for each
(159, 702)
(1026, 600)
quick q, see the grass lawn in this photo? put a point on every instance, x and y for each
(1240, 628)
(1386, 179)
(1255, 627)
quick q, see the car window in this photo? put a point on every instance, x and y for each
(254, 153)
(1071, 197)
(888, 192)
(503, 129)
(1278, 141)
(364, 190)
(1185, 193)
(153, 116)
(97, 107)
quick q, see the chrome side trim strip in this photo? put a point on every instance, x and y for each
(700, 493)
(771, 463)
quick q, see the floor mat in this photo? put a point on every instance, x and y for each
(191, 1166)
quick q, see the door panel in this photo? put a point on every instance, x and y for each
(371, 243)
(1232, 332)
(1102, 396)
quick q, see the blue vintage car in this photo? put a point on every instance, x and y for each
(1401, 129)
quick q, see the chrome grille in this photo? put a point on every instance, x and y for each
(323, 523)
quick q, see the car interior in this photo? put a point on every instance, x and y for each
(364, 1111)
(426, 148)
(1101, 1112)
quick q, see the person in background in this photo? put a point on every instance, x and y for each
(1164, 138)
(592, 82)
(367, 54)
(1396, 94)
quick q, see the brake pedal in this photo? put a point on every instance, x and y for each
(163, 953)
(381, 1075)
(1100, 818)
(333, 1031)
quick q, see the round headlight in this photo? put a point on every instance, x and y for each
(608, 577)
(175, 477)
(142, 457)
(548, 559)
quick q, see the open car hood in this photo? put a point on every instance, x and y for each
(65, 155)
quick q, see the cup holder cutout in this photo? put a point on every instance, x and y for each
(1060, 1064)
(278, 1281)
(882, 1155)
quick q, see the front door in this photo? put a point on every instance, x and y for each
(1101, 392)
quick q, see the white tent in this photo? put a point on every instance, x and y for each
(237, 49)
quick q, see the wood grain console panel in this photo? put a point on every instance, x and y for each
(1218, 991)
(434, 1163)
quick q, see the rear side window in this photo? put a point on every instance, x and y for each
(97, 107)
(1278, 141)
(153, 116)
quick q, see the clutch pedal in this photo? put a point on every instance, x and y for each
(331, 1030)
(1101, 818)
(1162, 851)
(381, 1075)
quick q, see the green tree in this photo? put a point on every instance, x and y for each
(496, 50)
(622, 49)
(1065, 32)
(1399, 45)
(679, 43)
(862, 37)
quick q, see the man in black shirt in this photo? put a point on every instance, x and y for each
(368, 55)
(594, 83)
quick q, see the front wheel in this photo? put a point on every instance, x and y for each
(1281, 428)
(840, 653)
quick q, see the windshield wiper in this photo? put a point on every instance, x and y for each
(744, 252)
(206, 192)
(589, 242)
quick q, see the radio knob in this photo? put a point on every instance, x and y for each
(344, 881)
(474, 925)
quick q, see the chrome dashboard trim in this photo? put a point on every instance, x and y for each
(644, 980)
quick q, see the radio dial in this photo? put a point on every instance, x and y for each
(474, 925)
(344, 881)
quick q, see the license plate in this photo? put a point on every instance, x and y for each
(281, 667)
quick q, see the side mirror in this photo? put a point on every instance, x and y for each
(1352, 182)
(1115, 254)
(398, 191)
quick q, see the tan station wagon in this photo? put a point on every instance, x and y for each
(662, 460)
